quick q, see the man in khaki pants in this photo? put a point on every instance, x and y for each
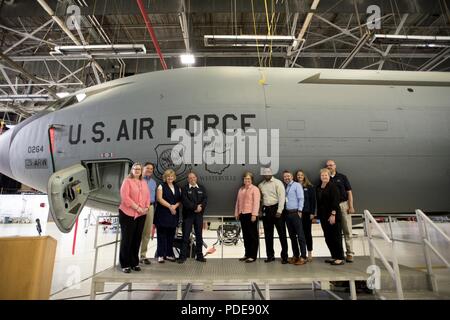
(146, 234)
(346, 204)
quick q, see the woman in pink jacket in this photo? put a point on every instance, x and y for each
(135, 202)
(246, 211)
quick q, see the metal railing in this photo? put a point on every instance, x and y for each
(424, 221)
(208, 217)
(393, 270)
(116, 241)
(97, 246)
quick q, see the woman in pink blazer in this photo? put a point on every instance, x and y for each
(246, 211)
(135, 202)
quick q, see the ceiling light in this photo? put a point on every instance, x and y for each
(247, 41)
(62, 94)
(418, 40)
(187, 59)
(101, 50)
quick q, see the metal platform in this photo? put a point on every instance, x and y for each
(232, 271)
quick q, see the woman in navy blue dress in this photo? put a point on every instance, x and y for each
(168, 196)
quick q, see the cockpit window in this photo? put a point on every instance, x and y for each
(71, 100)
(62, 103)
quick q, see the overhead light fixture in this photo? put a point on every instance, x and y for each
(411, 40)
(187, 58)
(62, 94)
(425, 45)
(247, 41)
(101, 50)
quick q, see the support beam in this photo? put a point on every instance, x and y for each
(348, 33)
(292, 33)
(6, 77)
(301, 35)
(218, 54)
(61, 24)
(344, 32)
(28, 36)
(104, 7)
(25, 97)
(294, 24)
(23, 34)
(355, 50)
(94, 68)
(5, 59)
(358, 19)
(51, 84)
(447, 11)
(184, 26)
(57, 59)
(397, 31)
(442, 56)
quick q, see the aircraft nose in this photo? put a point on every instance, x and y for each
(5, 139)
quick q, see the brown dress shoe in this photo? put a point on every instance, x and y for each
(300, 261)
(292, 260)
(349, 258)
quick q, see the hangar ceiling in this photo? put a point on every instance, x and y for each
(38, 59)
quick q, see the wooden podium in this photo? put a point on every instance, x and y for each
(26, 267)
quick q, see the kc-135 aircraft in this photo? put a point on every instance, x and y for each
(388, 131)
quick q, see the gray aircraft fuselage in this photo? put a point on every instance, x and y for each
(388, 131)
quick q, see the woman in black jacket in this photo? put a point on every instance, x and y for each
(328, 211)
(309, 208)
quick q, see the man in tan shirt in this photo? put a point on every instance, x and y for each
(273, 199)
(346, 204)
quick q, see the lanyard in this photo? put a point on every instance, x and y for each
(288, 188)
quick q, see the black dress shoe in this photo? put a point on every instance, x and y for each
(137, 268)
(201, 259)
(181, 261)
(269, 259)
(284, 261)
(250, 260)
(243, 258)
(126, 270)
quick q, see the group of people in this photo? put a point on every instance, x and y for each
(143, 204)
(292, 204)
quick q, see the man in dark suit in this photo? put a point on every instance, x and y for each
(194, 199)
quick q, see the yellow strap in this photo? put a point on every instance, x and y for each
(267, 18)
(254, 28)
